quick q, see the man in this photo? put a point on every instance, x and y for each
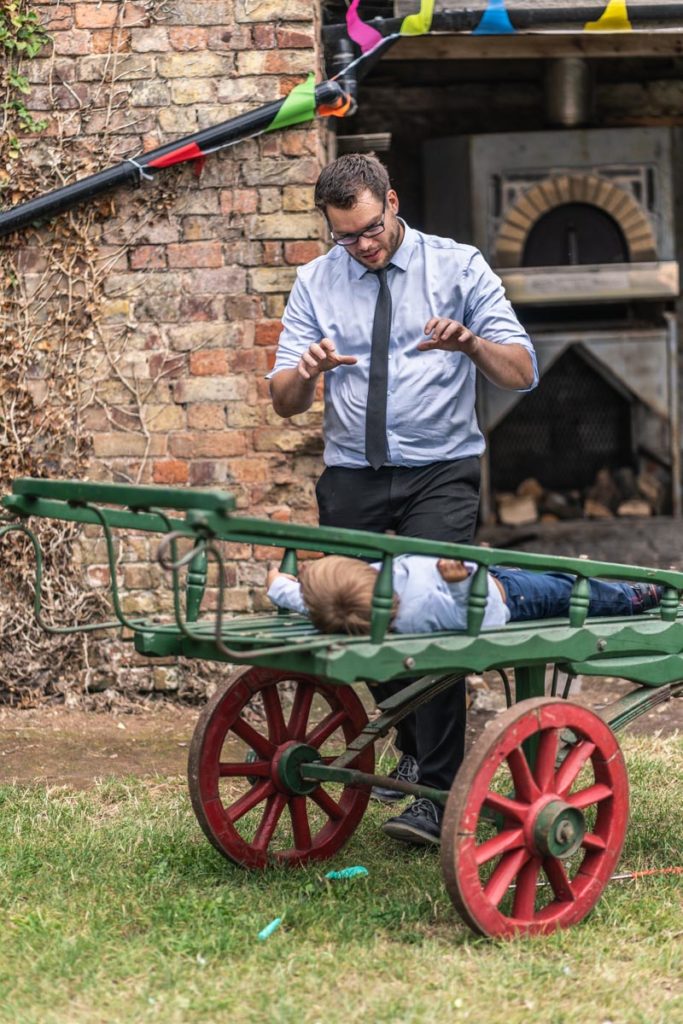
(399, 322)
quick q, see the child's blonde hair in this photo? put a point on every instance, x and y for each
(338, 592)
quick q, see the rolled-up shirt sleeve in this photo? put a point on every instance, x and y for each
(286, 593)
(489, 313)
(300, 329)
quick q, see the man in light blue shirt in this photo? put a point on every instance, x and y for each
(398, 322)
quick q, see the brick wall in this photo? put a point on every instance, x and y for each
(201, 286)
(198, 268)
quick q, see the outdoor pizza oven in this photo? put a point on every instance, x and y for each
(579, 225)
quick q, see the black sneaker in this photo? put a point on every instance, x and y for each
(419, 824)
(646, 596)
(406, 771)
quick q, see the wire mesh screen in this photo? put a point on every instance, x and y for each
(562, 433)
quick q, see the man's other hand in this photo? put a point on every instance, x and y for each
(320, 358)
(448, 335)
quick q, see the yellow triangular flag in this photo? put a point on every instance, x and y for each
(613, 19)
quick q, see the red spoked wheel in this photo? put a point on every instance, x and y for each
(535, 820)
(245, 786)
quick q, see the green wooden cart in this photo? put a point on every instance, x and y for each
(282, 759)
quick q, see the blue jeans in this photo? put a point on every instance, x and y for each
(545, 595)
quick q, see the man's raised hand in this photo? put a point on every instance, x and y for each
(448, 335)
(320, 358)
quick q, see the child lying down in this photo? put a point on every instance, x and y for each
(431, 594)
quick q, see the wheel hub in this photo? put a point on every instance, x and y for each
(558, 829)
(286, 766)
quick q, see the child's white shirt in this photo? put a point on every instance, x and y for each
(427, 603)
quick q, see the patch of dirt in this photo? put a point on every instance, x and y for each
(59, 746)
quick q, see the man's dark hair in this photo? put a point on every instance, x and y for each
(342, 181)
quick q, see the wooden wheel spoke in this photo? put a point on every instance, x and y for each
(559, 880)
(572, 765)
(228, 769)
(261, 744)
(525, 890)
(590, 795)
(327, 804)
(501, 879)
(277, 730)
(497, 845)
(546, 759)
(592, 842)
(264, 833)
(301, 708)
(300, 826)
(524, 782)
(324, 729)
(256, 795)
(507, 807)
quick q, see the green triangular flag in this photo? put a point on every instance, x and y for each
(298, 106)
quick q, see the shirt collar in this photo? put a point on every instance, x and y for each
(400, 259)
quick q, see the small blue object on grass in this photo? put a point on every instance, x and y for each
(347, 872)
(353, 872)
(266, 932)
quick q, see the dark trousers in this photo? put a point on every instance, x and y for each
(439, 501)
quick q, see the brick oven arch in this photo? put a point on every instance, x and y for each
(559, 189)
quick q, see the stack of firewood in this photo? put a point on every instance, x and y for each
(620, 492)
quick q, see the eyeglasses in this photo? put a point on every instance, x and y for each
(369, 232)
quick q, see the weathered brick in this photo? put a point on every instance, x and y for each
(281, 225)
(74, 42)
(210, 389)
(206, 416)
(150, 94)
(195, 254)
(201, 12)
(101, 15)
(124, 443)
(148, 257)
(267, 332)
(264, 36)
(274, 306)
(193, 90)
(261, 89)
(108, 41)
(285, 439)
(239, 200)
(251, 470)
(209, 363)
(151, 39)
(273, 254)
(272, 279)
(294, 38)
(176, 121)
(170, 471)
(162, 418)
(281, 171)
(220, 281)
(272, 10)
(197, 65)
(270, 200)
(186, 37)
(203, 444)
(297, 198)
(187, 336)
(303, 252)
(273, 62)
(199, 307)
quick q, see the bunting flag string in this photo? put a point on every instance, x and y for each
(613, 19)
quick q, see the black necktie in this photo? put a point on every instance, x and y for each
(376, 415)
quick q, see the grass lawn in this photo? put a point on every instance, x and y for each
(115, 909)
